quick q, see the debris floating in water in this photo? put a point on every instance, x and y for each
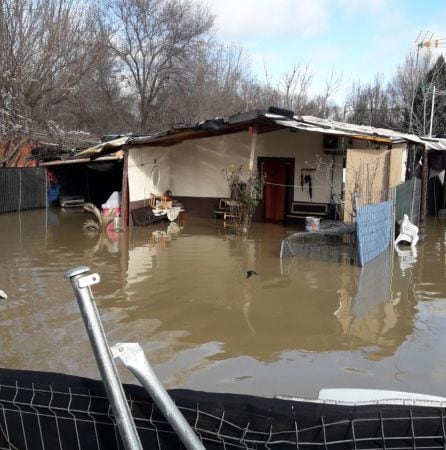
(3, 295)
(250, 273)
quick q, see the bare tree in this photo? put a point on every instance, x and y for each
(153, 40)
(403, 90)
(291, 91)
(46, 48)
(294, 87)
(217, 85)
(101, 103)
(322, 105)
(368, 104)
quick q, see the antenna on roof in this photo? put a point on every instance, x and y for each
(429, 41)
(424, 40)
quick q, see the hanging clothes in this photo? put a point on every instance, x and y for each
(309, 181)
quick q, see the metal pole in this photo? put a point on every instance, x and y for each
(424, 181)
(432, 112)
(81, 286)
(132, 355)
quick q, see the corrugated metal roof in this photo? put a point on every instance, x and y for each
(316, 129)
(262, 118)
(352, 129)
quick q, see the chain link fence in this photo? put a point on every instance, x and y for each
(374, 230)
(22, 188)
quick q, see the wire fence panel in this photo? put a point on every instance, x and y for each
(22, 188)
(50, 411)
(407, 200)
(374, 225)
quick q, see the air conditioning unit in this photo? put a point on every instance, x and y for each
(330, 142)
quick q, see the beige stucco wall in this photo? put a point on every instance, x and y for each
(367, 178)
(398, 159)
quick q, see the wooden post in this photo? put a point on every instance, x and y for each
(424, 180)
(125, 191)
(253, 133)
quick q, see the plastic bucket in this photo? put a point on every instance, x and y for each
(312, 223)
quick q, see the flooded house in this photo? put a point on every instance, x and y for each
(311, 166)
(333, 325)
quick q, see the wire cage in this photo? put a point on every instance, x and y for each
(335, 241)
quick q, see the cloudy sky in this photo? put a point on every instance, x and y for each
(357, 38)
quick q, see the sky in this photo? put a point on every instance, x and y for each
(353, 38)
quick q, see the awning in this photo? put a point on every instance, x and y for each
(116, 157)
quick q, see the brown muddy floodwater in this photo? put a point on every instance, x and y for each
(298, 326)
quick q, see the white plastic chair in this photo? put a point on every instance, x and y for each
(408, 232)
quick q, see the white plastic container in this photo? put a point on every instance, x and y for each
(312, 223)
(117, 223)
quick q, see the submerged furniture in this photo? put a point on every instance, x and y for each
(227, 209)
(145, 216)
(300, 210)
(408, 232)
(173, 212)
(159, 201)
(71, 201)
(222, 208)
(163, 205)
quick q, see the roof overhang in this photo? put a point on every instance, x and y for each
(111, 158)
(333, 131)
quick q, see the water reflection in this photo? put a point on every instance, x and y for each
(373, 314)
(407, 257)
(182, 292)
(317, 306)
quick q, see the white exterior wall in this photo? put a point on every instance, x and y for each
(196, 165)
(306, 148)
(194, 168)
(141, 163)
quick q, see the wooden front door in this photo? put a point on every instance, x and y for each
(277, 176)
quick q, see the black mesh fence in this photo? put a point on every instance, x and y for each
(52, 411)
(22, 188)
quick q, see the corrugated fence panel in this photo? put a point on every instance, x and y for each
(407, 200)
(22, 188)
(373, 230)
(415, 212)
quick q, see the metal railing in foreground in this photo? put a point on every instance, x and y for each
(81, 281)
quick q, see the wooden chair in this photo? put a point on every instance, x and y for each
(158, 201)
